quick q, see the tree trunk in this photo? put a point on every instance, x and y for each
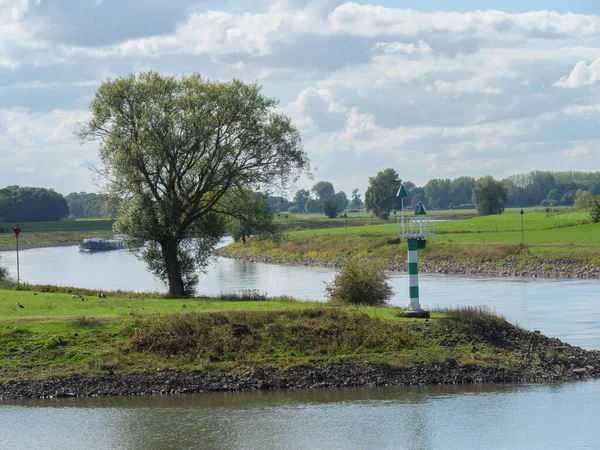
(176, 287)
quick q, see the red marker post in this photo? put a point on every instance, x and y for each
(17, 230)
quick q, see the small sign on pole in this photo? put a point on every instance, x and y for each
(522, 229)
(17, 230)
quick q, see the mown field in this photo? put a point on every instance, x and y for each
(557, 233)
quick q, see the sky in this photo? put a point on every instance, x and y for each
(431, 88)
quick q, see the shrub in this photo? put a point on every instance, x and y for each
(595, 210)
(360, 282)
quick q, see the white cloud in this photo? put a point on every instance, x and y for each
(36, 149)
(446, 94)
(581, 75)
(369, 20)
(582, 110)
(471, 86)
(16, 35)
(420, 47)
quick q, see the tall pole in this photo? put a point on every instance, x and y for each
(413, 274)
(18, 274)
(522, 228)
(17, 230)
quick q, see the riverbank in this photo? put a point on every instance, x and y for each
(445, 258)
(261, 377)
(515, 267)
(50, 239)
(263, 346)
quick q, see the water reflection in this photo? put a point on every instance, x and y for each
(490, 416)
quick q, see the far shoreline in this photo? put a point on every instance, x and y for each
(563, 268)
(4, 248)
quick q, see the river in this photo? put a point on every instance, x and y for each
(565, 415)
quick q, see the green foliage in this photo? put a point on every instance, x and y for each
(301, 197)
(322, 190)
(31, 204)
(175, 151)
(88, 206)
(437, 193)
(489, 196)
(461, 191)
(250, 215)
(312, 206)
(330, 206)
(360, 282)
(380, 197)
(342, 200)
(583, 199)
(595, 209)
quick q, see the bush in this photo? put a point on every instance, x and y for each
(360, 282)
(595, 210)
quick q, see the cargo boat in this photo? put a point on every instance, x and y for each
(101, 244)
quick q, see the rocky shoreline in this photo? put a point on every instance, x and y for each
(547, 360)
(353, 374)
(559, 268)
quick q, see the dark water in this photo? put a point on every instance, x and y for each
(550, 416)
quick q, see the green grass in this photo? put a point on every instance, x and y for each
(41, 234)
(61, 306)
(62, 225)
(55, 335)
(558, 234)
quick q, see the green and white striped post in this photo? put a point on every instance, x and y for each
(415, 231)
(413, 274)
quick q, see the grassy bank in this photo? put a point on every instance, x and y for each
(45, 234)
(548, 237)
(54, 335)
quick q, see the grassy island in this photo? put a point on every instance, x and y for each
(56, 344)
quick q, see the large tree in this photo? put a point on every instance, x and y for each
(489, 196)
(300, 199)
(322, 190)
(176, 151)
(461, 191)
(437, 191)
(381, 193)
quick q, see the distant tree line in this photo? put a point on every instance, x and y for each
(24, 204)
(31, 204)
(35, 204)
(322, 198)
(88, 206)
(536, 188)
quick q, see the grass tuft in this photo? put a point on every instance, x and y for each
(469, 312)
